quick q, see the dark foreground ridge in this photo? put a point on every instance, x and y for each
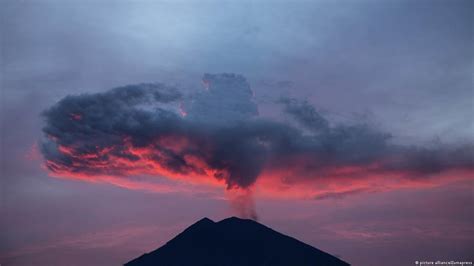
(234, 242)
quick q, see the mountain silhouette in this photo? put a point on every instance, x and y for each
(234, 242)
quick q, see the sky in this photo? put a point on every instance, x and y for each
(345, 124)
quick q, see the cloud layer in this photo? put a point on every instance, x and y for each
(217, 137)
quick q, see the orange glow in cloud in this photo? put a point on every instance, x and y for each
(103, 165)
(343, 181)
(295, 179)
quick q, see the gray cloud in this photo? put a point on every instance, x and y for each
(129, 130)
(305, 114)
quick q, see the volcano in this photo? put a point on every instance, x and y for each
(234, 242)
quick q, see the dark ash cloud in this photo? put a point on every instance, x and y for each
(305, 114)
(137, 130)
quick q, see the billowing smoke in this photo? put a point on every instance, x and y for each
(243, 203)
(218, 136)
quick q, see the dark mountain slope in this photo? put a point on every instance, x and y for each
(234, 242)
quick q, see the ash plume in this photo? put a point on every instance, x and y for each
(138, 130)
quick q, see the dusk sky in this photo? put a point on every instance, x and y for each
(345, 124)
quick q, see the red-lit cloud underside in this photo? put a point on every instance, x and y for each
(294, 179)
